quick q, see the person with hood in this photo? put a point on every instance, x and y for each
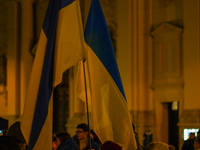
(15, 131)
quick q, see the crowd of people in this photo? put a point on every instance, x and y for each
(80, 141)
(85, 140)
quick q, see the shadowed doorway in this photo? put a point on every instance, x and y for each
(172, 124)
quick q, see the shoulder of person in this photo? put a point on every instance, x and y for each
(69, 145)
(94, 145)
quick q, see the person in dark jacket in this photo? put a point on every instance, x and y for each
(61, 137)
(8, 143)
(15, 131)
(80, 141)
(188, 144)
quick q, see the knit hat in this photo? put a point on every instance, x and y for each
(109, 145)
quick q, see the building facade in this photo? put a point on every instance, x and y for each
(156, 43)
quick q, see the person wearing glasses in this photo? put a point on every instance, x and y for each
(80, 141)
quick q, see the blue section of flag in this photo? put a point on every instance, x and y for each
(98, 38)
(52, 14)
(45, 89)
(64, 3)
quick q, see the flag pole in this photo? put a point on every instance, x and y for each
(87, 103)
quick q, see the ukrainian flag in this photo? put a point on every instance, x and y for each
(110, 114)
(60, 47)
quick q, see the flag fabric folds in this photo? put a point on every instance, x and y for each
(110, 114)
(60, 47)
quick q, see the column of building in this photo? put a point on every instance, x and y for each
(13, 58)
(27, 43)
